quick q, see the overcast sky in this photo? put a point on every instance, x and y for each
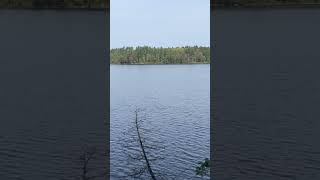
(166, 23)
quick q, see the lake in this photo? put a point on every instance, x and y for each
(52, 93)
(267, 94)
(174, 101)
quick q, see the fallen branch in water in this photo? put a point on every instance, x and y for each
(143, 149)
(87, 159)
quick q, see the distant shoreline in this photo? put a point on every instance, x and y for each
(159, 55)
(97, 5)
(57, 9)
(266, 6)
(166, 64)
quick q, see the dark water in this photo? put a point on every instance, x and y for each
(267, 94)
(51, 92)
(175, 103)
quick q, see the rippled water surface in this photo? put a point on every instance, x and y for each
(267, 94)
(51, 93)
(175, 103)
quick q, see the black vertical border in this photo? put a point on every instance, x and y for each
(107, 82)
(213, 135)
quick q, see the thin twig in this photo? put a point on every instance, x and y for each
(143, 150)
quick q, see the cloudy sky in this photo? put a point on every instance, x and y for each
(166, 23)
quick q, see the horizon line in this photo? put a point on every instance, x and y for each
(161, 46)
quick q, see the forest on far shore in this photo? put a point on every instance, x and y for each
(160, 55)
(59, 4)
(264, 3)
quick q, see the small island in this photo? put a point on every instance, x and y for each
(54, 4)
(160, 55)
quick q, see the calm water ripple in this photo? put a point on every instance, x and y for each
(267, 94)
(47, 112)
(175, 103)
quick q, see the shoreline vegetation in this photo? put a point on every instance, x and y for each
(54, 4)
(220, 4)
(145, 55)
(103, 4)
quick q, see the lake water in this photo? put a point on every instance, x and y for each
(175, 104)
(267, 94)
(52, 93)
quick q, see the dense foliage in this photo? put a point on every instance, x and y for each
(153, 55)
(52, 4)
(203, 168)
(255, 3)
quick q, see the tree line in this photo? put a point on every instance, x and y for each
(256, 3)
(99, 4)
(160, 55)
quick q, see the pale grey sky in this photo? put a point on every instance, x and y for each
(157, 23)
